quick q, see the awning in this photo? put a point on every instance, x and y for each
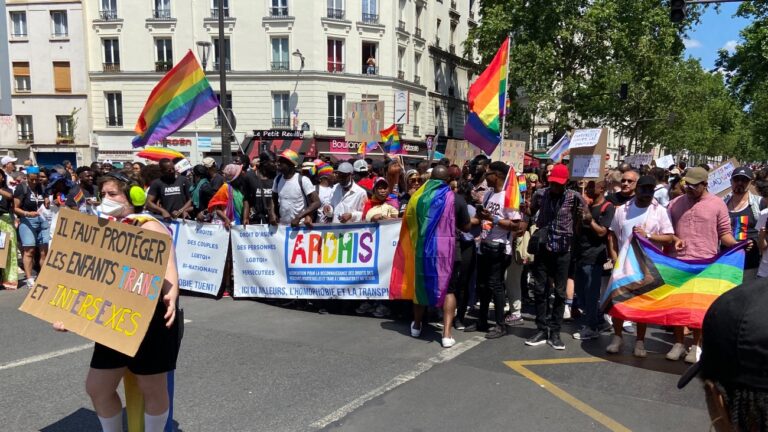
(304, 147)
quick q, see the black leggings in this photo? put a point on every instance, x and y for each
(462, 272)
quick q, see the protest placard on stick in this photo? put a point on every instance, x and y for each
(719, 181)
(588, 163)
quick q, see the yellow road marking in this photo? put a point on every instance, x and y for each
(520, 367)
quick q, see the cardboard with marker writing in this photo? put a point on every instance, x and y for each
(102, 279)
(5, 247)
(587, 162)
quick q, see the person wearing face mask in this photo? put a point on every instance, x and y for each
(34, 232)
(169, 195)
(123, 200)
(348, 197)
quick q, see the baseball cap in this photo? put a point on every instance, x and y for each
(345, 168)
(360, 166)
(743, 172)
(646, 180)
(735, 339)
(7, 160)
(559, 174)
(696, 175)
(209, 162)
(291, 156)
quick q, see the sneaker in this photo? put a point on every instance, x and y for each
(567, 312)
(629, 327)
(693, 354)
(414, 331)
(459, 325)
(640, 349)
(30, 283)
(539, 338)
(381, 311)
(605, 327)
(475, 327)
(608, 319)
(364, 308)
(586, 333)
(615, 346)
(514, 319)
(449, 342)
(676, 352)
(496, 332)
(555, 342)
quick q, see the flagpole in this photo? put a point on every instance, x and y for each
(506, 95)
(231, 129)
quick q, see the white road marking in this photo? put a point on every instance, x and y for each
(187, 321)
(46, 356)
(421, 367)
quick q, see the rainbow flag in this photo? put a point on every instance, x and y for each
(423, 260)
(367, 147)
(391, 140)
(181, 97)
(487, 101)
(649, 287)
(512, 195)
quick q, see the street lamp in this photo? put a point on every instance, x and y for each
(298, 54)
(203, 51)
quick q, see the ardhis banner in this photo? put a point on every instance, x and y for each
(328, 261)
(102, 279)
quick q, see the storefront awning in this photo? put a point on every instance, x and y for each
(305, 147)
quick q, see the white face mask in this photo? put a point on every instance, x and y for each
(110, 207)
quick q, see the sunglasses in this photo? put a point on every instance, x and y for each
(630, 181)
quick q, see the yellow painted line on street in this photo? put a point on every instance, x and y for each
(520, 367)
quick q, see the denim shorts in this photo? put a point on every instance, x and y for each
(34, 231)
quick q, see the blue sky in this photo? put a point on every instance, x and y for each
(715, 31)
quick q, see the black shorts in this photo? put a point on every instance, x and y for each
(157, 353)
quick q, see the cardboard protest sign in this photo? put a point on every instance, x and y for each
(363, 121)
(719, 181)
(460, 151)
(588, 163)
(5, 246)
(665, 161)
(512, 153)
(102, 279)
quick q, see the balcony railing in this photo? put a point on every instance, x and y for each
(63, 138)
(278, 11)
(59, 35)
(401, 25)
(401, 75)
(111, 67)
(335, 13)
(19, 35)
(416, 79)
(335, 67)
(417, 32)
(114, 121)
(163, 66)
(452, 49)
(215, 13)
(416, 131)
(370, 18)
(335, 122)
(108, 15)
(370, 70)
(227, 66)
(162, 14)
(280, 65)
(26, 137)
(281, 122)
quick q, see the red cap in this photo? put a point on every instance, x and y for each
(559, 174)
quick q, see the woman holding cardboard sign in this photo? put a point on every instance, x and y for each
(123, 199)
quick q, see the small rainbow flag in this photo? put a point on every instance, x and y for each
(423, 260)
(512, 195)
(487, 102)
(79, 197)
(181, 97)
(368, 147)
(391, 140)
(649, 287)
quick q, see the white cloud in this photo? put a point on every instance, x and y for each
(691, 43)
(730, 46)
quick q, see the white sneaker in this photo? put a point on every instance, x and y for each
(615, 346)
(629, 327)
(640, 349)
(693, 355)
(30, 283)
(414, 331)
(676, 352)
(567, 312)
(449, 342)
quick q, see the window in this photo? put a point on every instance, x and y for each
(215, 8)
(62, 81)
(227, 106)
(335, 111)
(281, 116)
(437, 32)
(227, 58)
(370, 62)
(452, 39)
(24, 128)
(114, 108)
(18, 24)
(279, 8)
(21, 80)
(415, 119)
(336, 9)
(164, 53)
(451, 115)
(400, 65)
(541, 140)
(417, 31)
(416, 68)
(369, 98)
(108, 10)
(59, 24)
(438, 120)
(111, 55)
(370, 12)
(162, 9)
(64, 127)
(335, 55)
(280, 54)
(438, 76)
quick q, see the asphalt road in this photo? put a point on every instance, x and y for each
(250, 366)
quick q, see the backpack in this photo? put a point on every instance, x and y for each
(303, 193)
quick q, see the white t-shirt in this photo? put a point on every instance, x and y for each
(495, 206)
(324, 193)
(762, 270)
(290, 197)
(653, 219)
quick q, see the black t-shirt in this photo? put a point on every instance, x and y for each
(617, 198)
(404, 198)
(171, 196)
(217, 181)
(31, 198)
(462, 213)
(591, 248)
(5, 204)
(259, 196)
(73, 200)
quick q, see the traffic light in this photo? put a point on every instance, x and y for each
(624, 91)
(677, 12)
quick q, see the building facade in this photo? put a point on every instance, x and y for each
(51, 115)
(291, 65)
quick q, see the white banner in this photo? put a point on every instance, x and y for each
(201, 251)
(339, 261)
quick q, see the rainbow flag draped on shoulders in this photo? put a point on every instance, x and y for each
(487, 102)
(423, 260)
(181, 97)
(649, 287)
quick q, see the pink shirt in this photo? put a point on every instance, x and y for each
(699, 224)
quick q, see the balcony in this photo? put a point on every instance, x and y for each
(401, 25)
(59, 35)
(401, 75)
(336, 122)
(25, 137)
(62, 138)
(108, 15)
(215, 13)
(452, 49)
(23, 88)
(416, 131)
(227, 66)
(19, 35)
(335, 67)
(370, 70)
(280, 65)
(278, 11)
(111, 67)
(163, 66)
(370, 18)
(417, 32)
(416, 79)
(162, 14)
(335, 13)
(114, 121)
(281, 122)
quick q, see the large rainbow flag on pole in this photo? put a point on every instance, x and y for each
(649, 287)
(181, 97)
(487, 101)
(423, 260)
